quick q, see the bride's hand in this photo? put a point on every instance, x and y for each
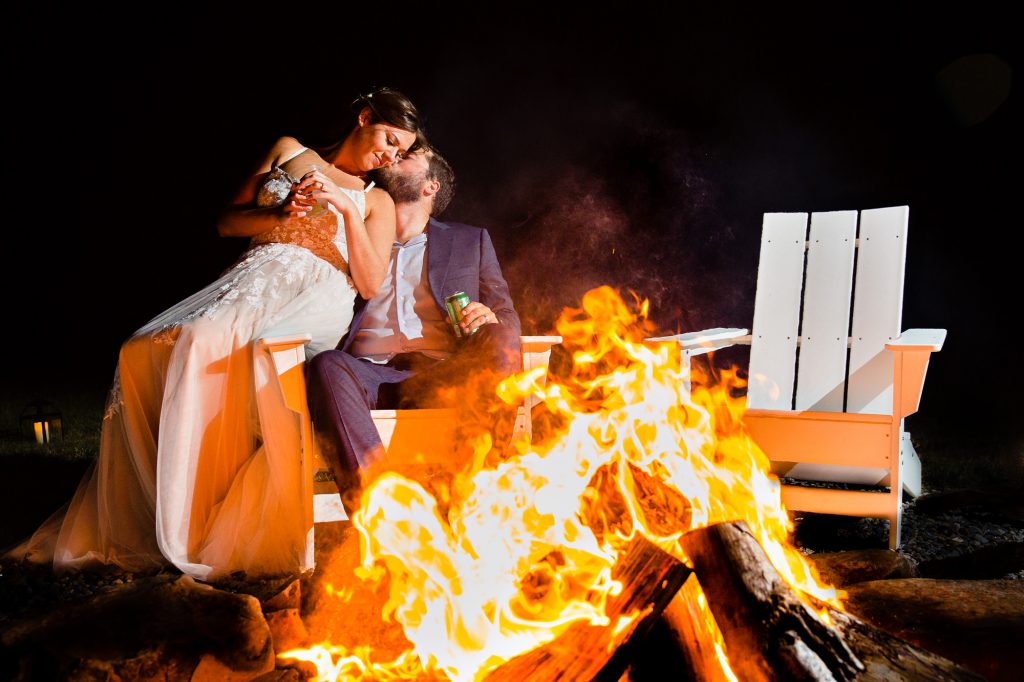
(318, 187)
(299, 203)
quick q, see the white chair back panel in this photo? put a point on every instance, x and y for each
(777, 311)
(877, 308)
(821, 381)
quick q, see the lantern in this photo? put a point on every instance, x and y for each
(41, 422)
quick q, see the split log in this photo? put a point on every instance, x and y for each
(650, 578)
(693, 638)
(771, 635)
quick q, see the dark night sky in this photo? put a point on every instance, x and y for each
(637, 149)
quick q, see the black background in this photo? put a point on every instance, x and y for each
(636, 147)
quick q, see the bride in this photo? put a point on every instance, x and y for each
(184, 474)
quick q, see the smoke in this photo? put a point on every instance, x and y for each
(644, 217)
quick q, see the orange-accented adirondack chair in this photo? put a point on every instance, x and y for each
(827, 397)
(420, 430)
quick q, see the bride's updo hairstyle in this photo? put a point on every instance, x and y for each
(386, 106)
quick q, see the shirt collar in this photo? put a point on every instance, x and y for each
(418, 239)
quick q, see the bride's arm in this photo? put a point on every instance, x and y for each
(243, 218)
(369, 242)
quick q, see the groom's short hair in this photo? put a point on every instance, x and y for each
(438, 169)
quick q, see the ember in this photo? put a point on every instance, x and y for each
(525, 548)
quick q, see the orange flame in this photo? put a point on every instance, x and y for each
(525, 547)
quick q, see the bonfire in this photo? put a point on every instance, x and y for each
(516, 550)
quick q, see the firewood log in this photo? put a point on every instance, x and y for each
(650, 578)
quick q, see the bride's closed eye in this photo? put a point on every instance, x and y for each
(394, 142)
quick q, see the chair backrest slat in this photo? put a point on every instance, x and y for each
(877, 308)
(777, 311)
(821, 374)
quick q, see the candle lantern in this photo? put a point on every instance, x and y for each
(41, 422)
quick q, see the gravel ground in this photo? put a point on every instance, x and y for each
(977, 534)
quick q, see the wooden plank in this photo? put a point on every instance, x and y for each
(879, 505)
(288, 425)
(537, 344)
(877, 308)
(427, 431)
(776, 311)
(536, 353)
(821, 380)
(919, 339)
(857, 450)
(327, 507)
(688, 340)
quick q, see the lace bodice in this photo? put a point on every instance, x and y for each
(278, 183)
(317, 232)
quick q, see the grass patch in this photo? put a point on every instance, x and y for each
(81, 418)
(977, 461)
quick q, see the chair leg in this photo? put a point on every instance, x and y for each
(909, 481)
(522, 430)
(896, 520)
(910, 466)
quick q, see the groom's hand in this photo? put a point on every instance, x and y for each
(476, 315)
(299, 202)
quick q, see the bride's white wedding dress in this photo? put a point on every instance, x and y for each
(184, 474)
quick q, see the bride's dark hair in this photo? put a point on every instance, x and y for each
(386, 106)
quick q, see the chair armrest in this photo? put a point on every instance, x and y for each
(287, 357)
(537, 350)
(698, 343)
(918, 339)
(912, 349)
(538, 344)
(277, 343)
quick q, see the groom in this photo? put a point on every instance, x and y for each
(402, 350)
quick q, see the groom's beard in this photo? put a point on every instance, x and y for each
(402, 188)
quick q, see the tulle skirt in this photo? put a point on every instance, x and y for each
(185, 474)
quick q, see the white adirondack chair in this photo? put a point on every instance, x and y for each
(826, 400)
(407, 431)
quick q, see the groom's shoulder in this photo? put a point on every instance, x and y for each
(458, 229)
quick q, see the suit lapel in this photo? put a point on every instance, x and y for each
(439, 258)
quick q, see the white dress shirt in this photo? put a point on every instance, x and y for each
(403, 317)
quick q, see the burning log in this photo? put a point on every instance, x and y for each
(650, 578)
(771, 635)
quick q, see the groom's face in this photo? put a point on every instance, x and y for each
(405, 180)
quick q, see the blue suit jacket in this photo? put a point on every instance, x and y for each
(460, 258)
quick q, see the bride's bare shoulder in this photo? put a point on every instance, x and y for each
(284, 149)
(378, 198)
